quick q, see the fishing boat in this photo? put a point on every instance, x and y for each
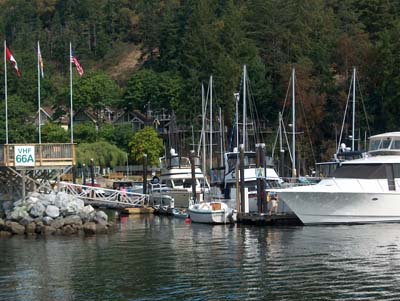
(212, 213)
(365, 190)
(175, 182)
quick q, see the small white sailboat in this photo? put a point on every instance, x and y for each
(212, 213)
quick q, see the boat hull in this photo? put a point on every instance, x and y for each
(199, 214)
(343, 207)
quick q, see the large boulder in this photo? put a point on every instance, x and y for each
(73, 220)
(47, 230)
(19, 213)
(5, 234)
(57, 223)
(30, 228)
(37, 210)
(87, 214)
(100, 217)
(89, 228)
(68, 204)
(15, 228)
(47, 220)
(52, 211)
(48, 199)
(26, 220)
(68, 230)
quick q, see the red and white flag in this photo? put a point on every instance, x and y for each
(40, 61)
(11, 59)
(78, 66)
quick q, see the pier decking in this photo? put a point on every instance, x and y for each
(33, 167)
(47, 155)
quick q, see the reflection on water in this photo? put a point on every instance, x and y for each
(159, 258)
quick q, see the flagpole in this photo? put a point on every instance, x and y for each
(5, 88)
(38, 73)
(70, 84)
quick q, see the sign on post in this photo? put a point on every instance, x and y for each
(24, 156)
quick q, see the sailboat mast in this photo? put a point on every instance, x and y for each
(244, 106)
(237, 96)
(354, 109)
(203, 109)
(293, 125)
(220, 137)
(211, 128)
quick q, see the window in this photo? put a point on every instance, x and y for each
(360, 171)
(385, 143)
(374, 145)
(395, 144)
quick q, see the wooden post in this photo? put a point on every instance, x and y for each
(193, 170)
(241, 167)
(23, 184)
(264, 168)
(92, 171)
(83, 174)
(144, 173)
(74, 174)
(259, 179)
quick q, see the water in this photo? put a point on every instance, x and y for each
(160, 258)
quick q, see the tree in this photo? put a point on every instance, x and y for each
(103, 154)
(159, 90)
(53, 133)
(95, 91)
(146, 141)
(85, 133)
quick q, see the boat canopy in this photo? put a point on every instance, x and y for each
(388, 143)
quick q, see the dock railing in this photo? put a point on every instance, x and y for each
(37, 155)
(104, 195)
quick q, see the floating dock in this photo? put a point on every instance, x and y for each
(264, 219)
(138, 210)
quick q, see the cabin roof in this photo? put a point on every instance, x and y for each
(386, 135)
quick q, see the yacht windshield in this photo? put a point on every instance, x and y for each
(360, 171)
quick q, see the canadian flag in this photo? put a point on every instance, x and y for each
(11, 59)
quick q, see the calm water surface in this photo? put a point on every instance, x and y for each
(160, 258)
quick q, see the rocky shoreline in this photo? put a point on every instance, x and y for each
(51, 214)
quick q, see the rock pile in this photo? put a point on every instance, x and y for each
(47, 214)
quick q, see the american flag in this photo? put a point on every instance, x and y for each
(78, 66)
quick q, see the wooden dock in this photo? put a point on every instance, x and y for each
(139, 210)
(33, 167)
(264, 219)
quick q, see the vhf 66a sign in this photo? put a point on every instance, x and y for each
(24, 156)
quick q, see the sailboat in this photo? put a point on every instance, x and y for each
(343, 153)
(226, 192)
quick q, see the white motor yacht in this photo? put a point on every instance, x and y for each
(365, 190)
(176, 181)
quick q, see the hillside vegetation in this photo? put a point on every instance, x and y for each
(135, 52)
